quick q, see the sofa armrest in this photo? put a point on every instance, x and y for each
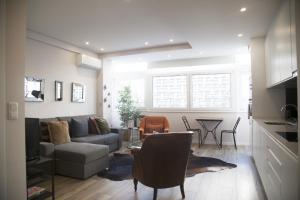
(120, 133)
(46, 149)
(115, 130)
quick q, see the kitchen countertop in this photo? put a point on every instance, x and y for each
(291, 147)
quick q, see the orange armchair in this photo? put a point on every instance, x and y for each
(153, 123)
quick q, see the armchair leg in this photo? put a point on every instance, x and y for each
(135, 182)
(155, 194)
(199, 139)
(234, 140)
(221, 142)
(182, 190)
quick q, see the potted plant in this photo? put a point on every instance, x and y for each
(127, 110)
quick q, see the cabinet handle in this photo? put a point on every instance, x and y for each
(274, 156)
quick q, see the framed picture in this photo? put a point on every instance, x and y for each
(34, 89)
(58, 90)
(78, 93)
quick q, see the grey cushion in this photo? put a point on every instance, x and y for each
(80, 152)
(80, 127)
(69, 119)
(98, 139)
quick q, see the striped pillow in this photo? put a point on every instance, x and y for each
(102, 125)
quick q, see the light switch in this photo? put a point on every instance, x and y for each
(13, 111)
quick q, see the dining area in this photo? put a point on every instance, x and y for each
(207, 130)
(206, 126)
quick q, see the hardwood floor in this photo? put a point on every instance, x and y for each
(240, 183)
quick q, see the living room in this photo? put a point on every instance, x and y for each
(68, 65)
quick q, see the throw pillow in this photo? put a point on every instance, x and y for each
(153, 127)
(59, 132)
(102, 125)
(93, 127)
(79, 127)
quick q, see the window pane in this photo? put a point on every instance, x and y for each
(137, 90)
(211, 91)
(170, 92)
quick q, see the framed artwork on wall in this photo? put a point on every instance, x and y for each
(34, 89)
(58, 90)
(78, 93)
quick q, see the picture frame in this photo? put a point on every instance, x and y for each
(34, 89)
(58, 90)
(78, 93)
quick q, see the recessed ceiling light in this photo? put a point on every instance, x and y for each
(169, 56)
(201, 53)
(171, 40)
(243, 9)
(102, 49)
(240, 35)
(87, 43)
(146, 43)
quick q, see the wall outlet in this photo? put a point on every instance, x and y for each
(13, 111)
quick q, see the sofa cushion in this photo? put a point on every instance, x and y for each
(154, 127)
(98, 139)
(80, 127)
(80, 152)
(69, 120)
(102, 125)
(45, 136)
(93, 127)
(59, 132)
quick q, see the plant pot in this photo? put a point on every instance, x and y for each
(126, 134)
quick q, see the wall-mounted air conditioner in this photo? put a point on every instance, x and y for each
(88, 62)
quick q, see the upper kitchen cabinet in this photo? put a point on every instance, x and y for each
(280, 50)
(293, 35)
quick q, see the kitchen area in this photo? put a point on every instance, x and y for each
(274, 71)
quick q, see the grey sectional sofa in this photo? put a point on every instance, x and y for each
(84, 156)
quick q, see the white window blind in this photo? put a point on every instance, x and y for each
(170, 92)
(211, 91)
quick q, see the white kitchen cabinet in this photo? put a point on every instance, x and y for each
(293, 35)
(279, 48)
(276, 166)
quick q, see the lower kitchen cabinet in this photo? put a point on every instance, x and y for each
(277, 167)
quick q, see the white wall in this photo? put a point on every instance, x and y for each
(53, 63)
(2, 102)
(266, 102)
(14, 132)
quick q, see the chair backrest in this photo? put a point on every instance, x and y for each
(154, 123)
(186, 123)
(236, 123)
(164, 159)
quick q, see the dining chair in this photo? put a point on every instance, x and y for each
(188, 128)
(233, 131)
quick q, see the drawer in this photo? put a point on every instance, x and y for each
(273, 187)
(273, 161)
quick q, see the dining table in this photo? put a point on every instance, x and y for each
(210, 125)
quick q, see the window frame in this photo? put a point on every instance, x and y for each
(189, 91)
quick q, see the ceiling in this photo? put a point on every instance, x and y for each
(210, 26)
